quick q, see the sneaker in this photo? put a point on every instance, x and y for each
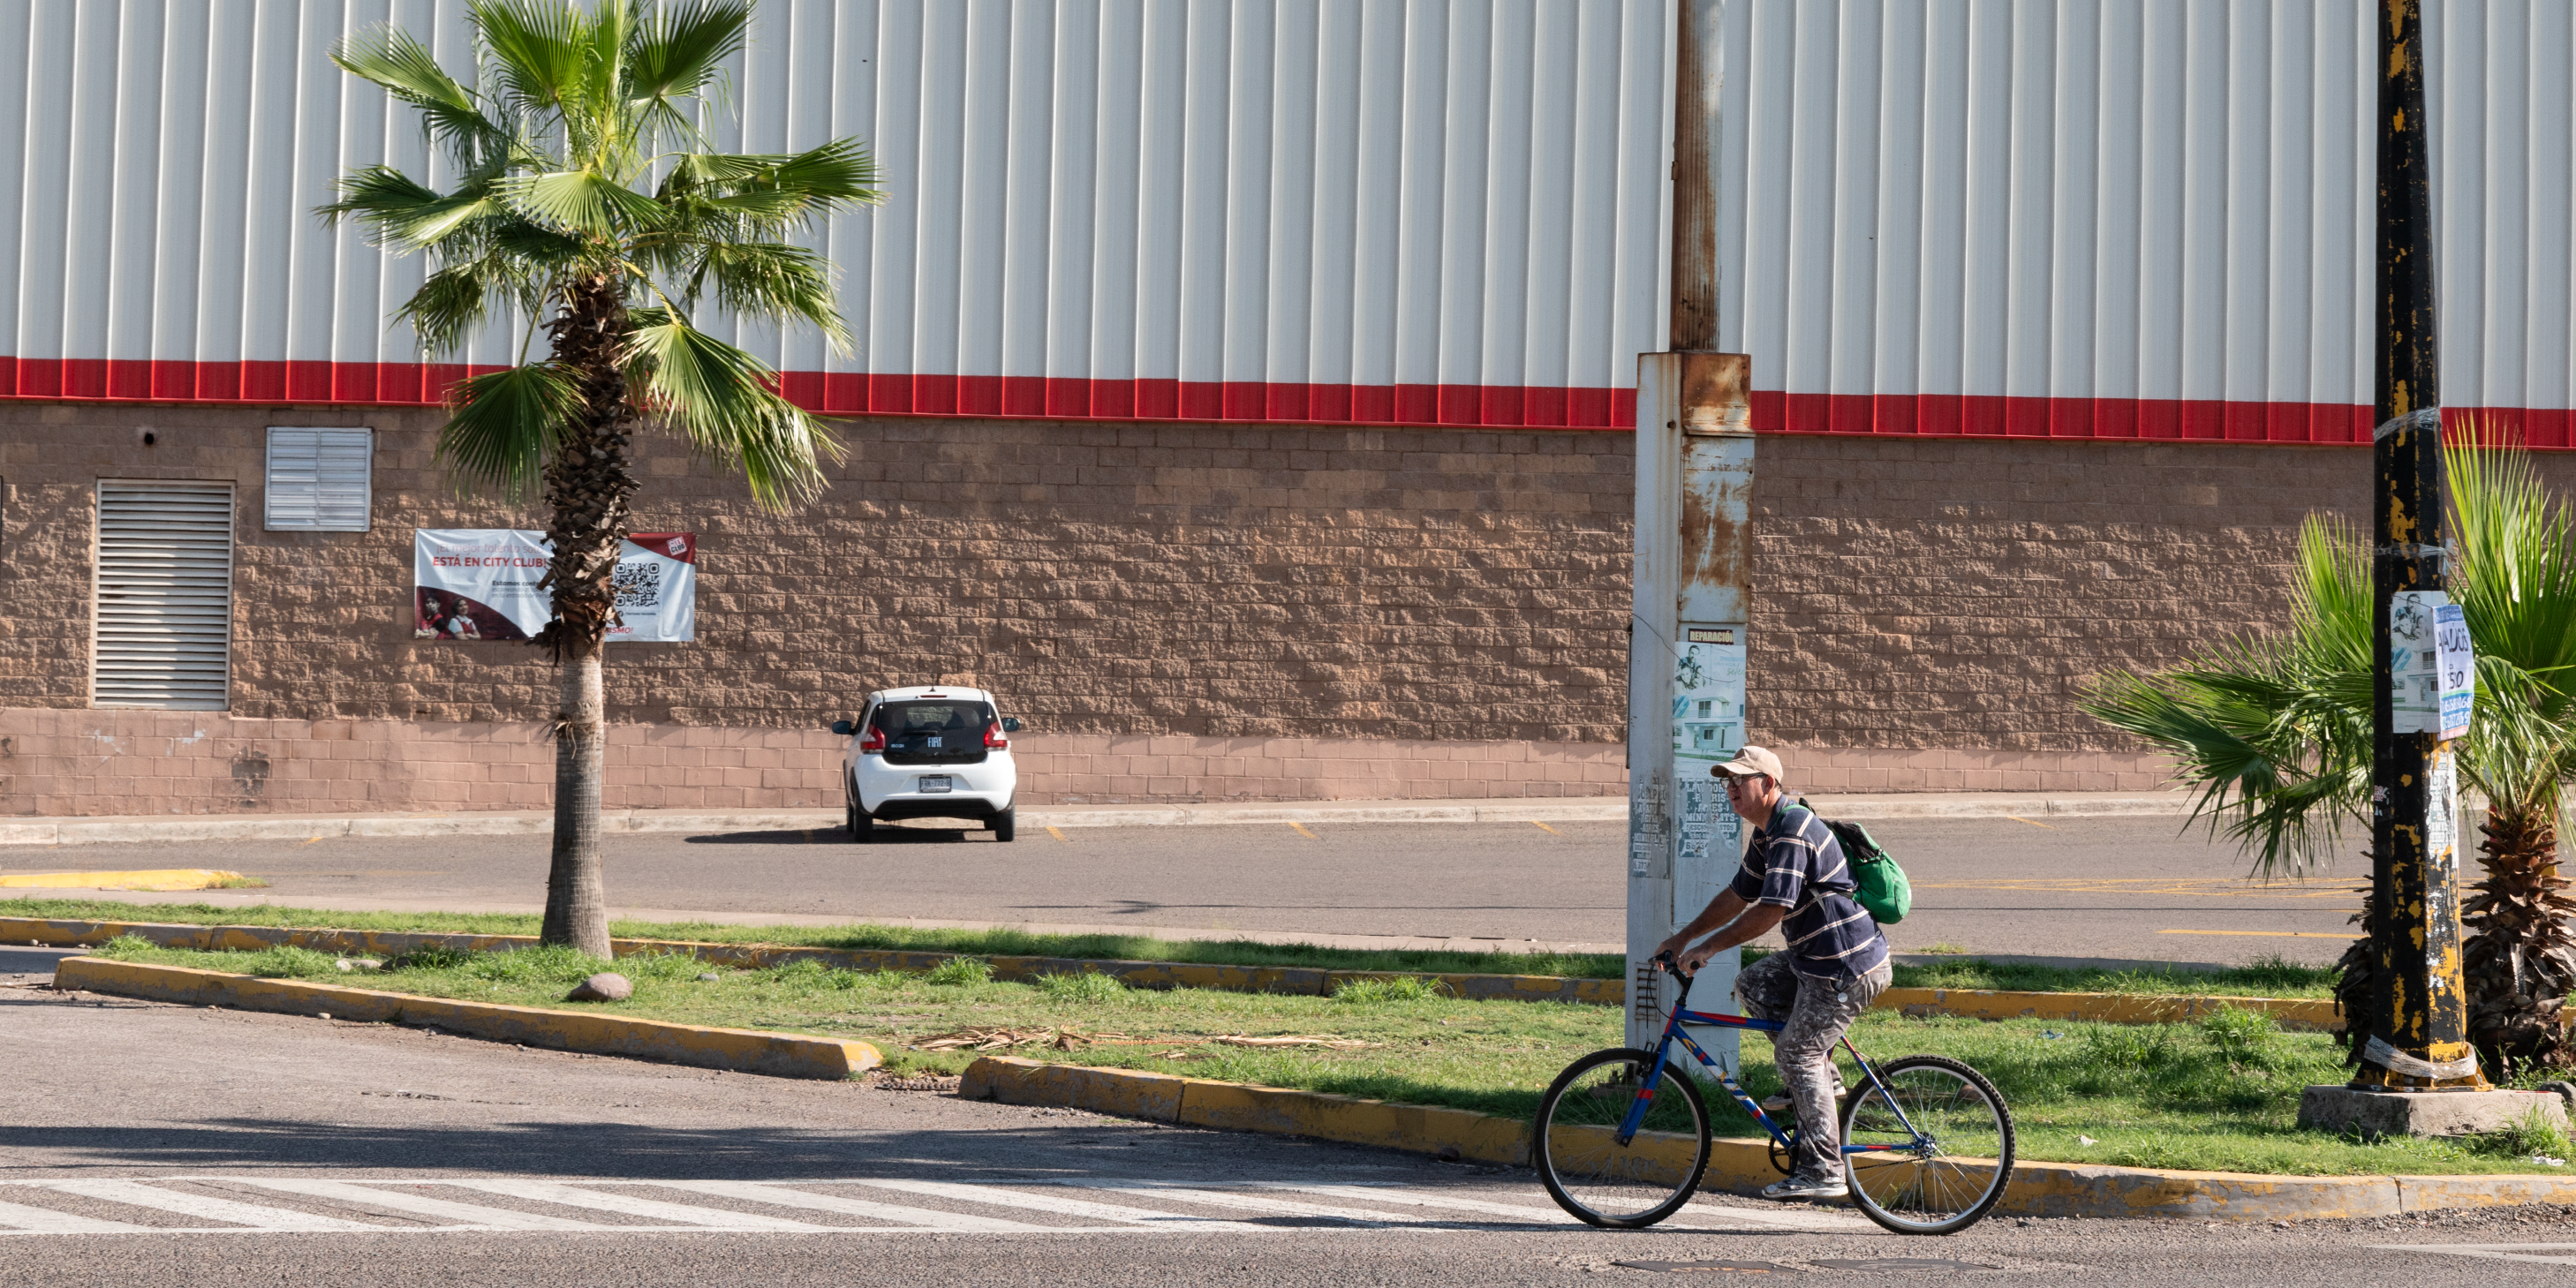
(1804, 1189)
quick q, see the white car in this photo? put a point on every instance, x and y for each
(932, 751)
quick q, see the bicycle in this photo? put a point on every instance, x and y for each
(1927, 1141)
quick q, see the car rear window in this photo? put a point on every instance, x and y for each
(935, 715)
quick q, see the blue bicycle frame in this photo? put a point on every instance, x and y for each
(1680, 1016)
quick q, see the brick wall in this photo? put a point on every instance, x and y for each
(1290, 611)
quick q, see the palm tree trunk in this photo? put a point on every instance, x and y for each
(576, 889)
(2520, 959)
(587, 486)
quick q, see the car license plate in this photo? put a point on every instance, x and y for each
(935, 783)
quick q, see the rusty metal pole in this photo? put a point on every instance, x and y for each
(1692, 577)
(2418, 1014)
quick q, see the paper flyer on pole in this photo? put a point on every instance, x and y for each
(482, 584)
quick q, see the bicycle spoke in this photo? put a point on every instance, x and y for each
(1596, 1176)
(1945, 1146)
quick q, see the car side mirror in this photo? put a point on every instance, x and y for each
(842, 727)
(1010, 724)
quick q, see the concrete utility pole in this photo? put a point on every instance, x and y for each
(1692, 576)
(2418, 1013)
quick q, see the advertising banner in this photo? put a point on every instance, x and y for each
(481, 584)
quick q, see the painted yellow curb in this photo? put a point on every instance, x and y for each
(1735, 1166)
(152, 879)
(783, 1055)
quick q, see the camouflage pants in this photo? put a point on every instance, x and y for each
(1817, 1013)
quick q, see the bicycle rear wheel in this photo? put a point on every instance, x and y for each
(1575, 1142)
(1944, 1146)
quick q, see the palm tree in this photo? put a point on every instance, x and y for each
(588, 195)
(2274, 732)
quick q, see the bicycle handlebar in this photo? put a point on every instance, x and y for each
(1665, 962)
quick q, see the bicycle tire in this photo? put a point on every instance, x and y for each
(1589, 1174)
(1932, 1187)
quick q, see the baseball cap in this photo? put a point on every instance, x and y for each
(1750, 761)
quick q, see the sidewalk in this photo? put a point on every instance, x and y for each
(252, 827)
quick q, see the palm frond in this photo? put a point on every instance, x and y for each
(538, 49)
(580, 200)
(504, 424)
(726, 403)
(402, 213)
(451, 113)
(675, 54)
(772, 281)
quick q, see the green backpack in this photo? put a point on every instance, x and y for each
(1883, 889)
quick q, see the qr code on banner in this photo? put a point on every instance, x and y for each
(638, 585)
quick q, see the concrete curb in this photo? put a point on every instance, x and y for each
(1940, 805)
(1735, 1166)
(782, 1055)
(2297, 1015)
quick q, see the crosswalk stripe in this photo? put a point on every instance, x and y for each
(22, 1219)
(402, 1200)
(1257, 1203)
(921, 1218)
(1063, 1206)
(630, 1205)
(198, 1205)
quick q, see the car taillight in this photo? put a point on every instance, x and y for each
(872, 740)
(993, 737)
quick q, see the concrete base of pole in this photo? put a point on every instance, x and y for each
(2423, 1113)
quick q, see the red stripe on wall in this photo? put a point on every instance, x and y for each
(390, 384)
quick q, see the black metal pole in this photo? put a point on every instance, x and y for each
(2418, 1015)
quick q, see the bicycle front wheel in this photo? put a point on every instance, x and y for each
(1576, 1148)
(1937, 1146)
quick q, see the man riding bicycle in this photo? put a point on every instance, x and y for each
(1794, 877)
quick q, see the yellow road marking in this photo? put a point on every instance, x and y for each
(1301, 831)
(1545, 828)
(2264, 934)
(154, 879)
(2032, 821)
(1055, 833)
(2198, 887)
(314, 839)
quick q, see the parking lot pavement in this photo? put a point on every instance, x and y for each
(2116, 889)
(149, 1143)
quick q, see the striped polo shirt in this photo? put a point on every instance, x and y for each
(1795, 863)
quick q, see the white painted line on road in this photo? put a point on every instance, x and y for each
(1255, 1203)
(2492, 1251)
(251, 1215)
(1062, 1206)
(919, 1218)
(404, 1200)
(22, 1219)
(630, 1205)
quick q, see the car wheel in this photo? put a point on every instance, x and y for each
(1005, 825)
(862, 827)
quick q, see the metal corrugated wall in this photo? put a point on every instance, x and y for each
(2132, 217)
(1369, 210)
(2128, 219)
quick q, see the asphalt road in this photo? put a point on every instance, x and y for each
(2113, 890)
(143, 1143)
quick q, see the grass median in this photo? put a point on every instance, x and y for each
(2218, 1094)
(2270, 977)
